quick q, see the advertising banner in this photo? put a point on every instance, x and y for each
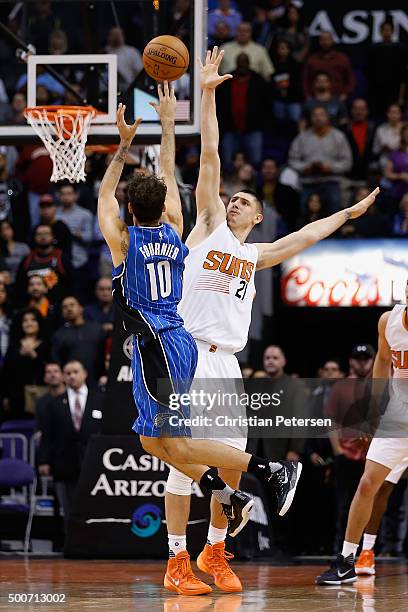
(356, 23)
(337, 273)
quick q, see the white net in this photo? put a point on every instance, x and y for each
(64, 133)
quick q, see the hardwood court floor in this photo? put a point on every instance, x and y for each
(123, 586)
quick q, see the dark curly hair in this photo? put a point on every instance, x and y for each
(17, 326)
(146, 193)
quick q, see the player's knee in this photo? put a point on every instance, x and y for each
(178, 483)
(368, 486)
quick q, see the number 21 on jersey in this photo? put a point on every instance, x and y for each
(160, 279)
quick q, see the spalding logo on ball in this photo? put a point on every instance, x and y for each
(165, 58)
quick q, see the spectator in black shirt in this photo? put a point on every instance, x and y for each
(47, 261)
(48, 216)
(25, 361)
(54, 380)
(272, 192)
(286, 83)
(102, 310)
(79, 339)
(386, 72)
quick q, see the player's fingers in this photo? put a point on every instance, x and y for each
(155, 106)
(219, 58)
(208, 57)
(225, 77)
(200, 63)
(214, 54)
(160, 91)
(166, 89)
(137, 123)
(172, 93)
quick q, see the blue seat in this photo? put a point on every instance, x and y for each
(16, 473)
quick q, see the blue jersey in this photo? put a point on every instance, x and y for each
(150, 279)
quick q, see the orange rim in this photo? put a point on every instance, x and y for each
(52, 111)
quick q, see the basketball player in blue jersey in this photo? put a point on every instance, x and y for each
(148, 260)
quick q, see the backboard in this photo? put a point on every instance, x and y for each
(82, 42)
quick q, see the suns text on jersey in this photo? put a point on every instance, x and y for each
(229, 264)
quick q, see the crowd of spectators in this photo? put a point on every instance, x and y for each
(297, 125)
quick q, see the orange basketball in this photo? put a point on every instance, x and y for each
(165, 58)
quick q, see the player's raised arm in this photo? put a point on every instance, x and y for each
(271, 254)
(166, 109)
(210, 208)
(114, 230)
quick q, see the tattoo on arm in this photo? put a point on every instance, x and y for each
(348, 213)
(121, 153)
(124, 247)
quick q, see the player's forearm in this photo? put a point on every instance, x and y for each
(168, 150)
(209, 123)
(111, 179)
(318, 230)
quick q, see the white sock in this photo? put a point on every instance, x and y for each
(369, 541)
(216, 535)
(177, 543)
(349, 549)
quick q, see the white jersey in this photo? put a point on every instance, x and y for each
(396, 334)
(218, 290)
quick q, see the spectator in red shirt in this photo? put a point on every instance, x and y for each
(335, 63)
(360, 134)
(34, 169)
(241, 115)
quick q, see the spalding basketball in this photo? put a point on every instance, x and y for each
(165, 58)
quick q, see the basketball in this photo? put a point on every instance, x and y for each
(165, 58)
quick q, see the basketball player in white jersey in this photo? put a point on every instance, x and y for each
(218, 291)
(386, 456)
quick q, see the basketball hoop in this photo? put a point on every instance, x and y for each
(63, 130)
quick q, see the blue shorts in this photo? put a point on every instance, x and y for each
(162, 366)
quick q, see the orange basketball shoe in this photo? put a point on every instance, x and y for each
(214, 560)
(365, 564)
(181, 579)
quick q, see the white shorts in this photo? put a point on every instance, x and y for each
(391, 453)
(395, 475)
(219, 367)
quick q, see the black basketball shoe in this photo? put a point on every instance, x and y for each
(284, 482)
(238, 512)
(341, 571)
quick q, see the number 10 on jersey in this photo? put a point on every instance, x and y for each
(160, 279)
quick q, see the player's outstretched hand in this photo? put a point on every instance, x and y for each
(126, 132)
(360, 208)
(209, 77)
(166, 108)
